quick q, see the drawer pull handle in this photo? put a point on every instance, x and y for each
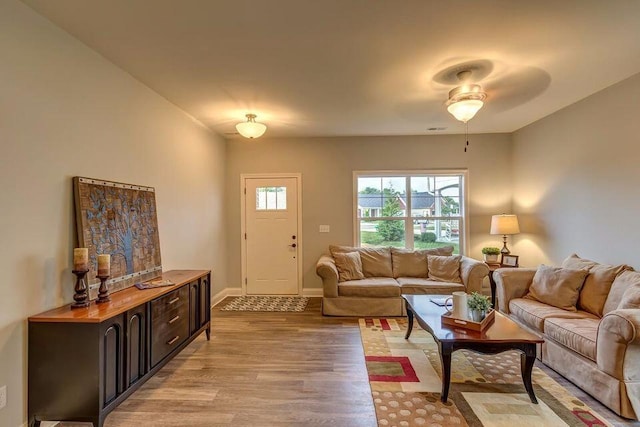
(173, 340)
(174, 319)
(176, 299)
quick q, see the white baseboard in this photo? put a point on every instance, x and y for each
(236, 292)
(226, 292)
(312, 292)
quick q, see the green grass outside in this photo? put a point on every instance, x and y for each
(372, 238)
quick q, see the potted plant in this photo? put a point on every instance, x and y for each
(490, 254)
(478, 306)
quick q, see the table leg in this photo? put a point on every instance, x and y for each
(410, 320)
(445, 360)
(493, 289)
(527, 360)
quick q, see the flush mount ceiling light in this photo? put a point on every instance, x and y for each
(251, 128)
(465, 101)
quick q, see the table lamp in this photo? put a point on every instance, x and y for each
(504, 224)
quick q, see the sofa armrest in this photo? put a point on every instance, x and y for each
(472, 273)
(511, 283)
(618, 344)
(327, 270)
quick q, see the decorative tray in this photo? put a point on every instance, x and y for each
(448, 319)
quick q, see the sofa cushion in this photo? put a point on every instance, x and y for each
(408, 263)
(349, 266)
(577, 334)
(378, 287)
(623, 281)
(444, 268)
(417, 285)
(376, 262)
(533, 313)
(597, 284)
(557, 286)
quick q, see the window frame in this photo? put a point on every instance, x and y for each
(463, 217)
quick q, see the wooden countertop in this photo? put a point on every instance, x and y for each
(121, 301)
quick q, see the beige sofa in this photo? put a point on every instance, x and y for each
(597, 346)
(389, 273)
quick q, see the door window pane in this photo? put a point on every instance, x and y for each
(271, 198)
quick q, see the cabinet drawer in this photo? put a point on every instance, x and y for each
(168, 304)
(169, 323)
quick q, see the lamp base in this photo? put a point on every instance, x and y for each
(504, 250)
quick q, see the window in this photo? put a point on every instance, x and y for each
(271, 198)
(417, 210)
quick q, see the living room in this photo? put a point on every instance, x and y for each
(87, 92)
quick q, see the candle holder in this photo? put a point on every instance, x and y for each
(103, 292)
(81, 297)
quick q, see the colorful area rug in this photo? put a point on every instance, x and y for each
(486, 390)
(264, 303)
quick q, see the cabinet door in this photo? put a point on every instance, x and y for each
(204, 301)
(135, 344)
(112, 348)
(194, 307)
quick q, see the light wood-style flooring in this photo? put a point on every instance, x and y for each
(269, 369)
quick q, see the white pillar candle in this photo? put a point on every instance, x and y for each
(104, 265)
(80, 259)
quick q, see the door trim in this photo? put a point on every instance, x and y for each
(243, 227)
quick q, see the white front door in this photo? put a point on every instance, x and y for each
(271, 236)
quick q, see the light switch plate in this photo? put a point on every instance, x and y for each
(324, 229)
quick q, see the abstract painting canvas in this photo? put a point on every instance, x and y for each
(120, 220)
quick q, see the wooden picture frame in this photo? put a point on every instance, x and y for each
(509, 261)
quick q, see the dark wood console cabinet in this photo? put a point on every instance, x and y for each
(85, 362)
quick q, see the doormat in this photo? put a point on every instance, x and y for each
(264, 303)
(486, 390)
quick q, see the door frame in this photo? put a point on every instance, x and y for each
(243, 218)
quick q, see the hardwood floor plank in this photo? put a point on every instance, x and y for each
(260, 369)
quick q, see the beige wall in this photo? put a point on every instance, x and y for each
(577, 180)
(327, 164)
(66, 111)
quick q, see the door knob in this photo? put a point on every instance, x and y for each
(293, 245)
(293, 237)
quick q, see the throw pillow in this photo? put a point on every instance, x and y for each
(376, 262)
(349, 266)
(408, 263)
(441, 251)
(444, 268)
(557, 286)
(597, 284)
(625, 280)
(631, 297)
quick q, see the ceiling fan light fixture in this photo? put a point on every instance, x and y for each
(465, 110)
(465, 101)
(251, 129)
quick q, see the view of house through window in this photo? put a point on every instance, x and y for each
(414, 211)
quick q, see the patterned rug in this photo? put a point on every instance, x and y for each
(486, 390)
(265, 303)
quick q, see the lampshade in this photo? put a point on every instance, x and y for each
(465, 110)
(504, 224)
(251, 128)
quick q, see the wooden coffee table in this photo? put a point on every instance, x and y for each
(502, 335)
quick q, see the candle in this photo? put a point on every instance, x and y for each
(81, 259)
(104, 265)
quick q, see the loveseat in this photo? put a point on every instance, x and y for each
(589, 316)
(370, 281)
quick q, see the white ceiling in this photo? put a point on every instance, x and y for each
(360, 67)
